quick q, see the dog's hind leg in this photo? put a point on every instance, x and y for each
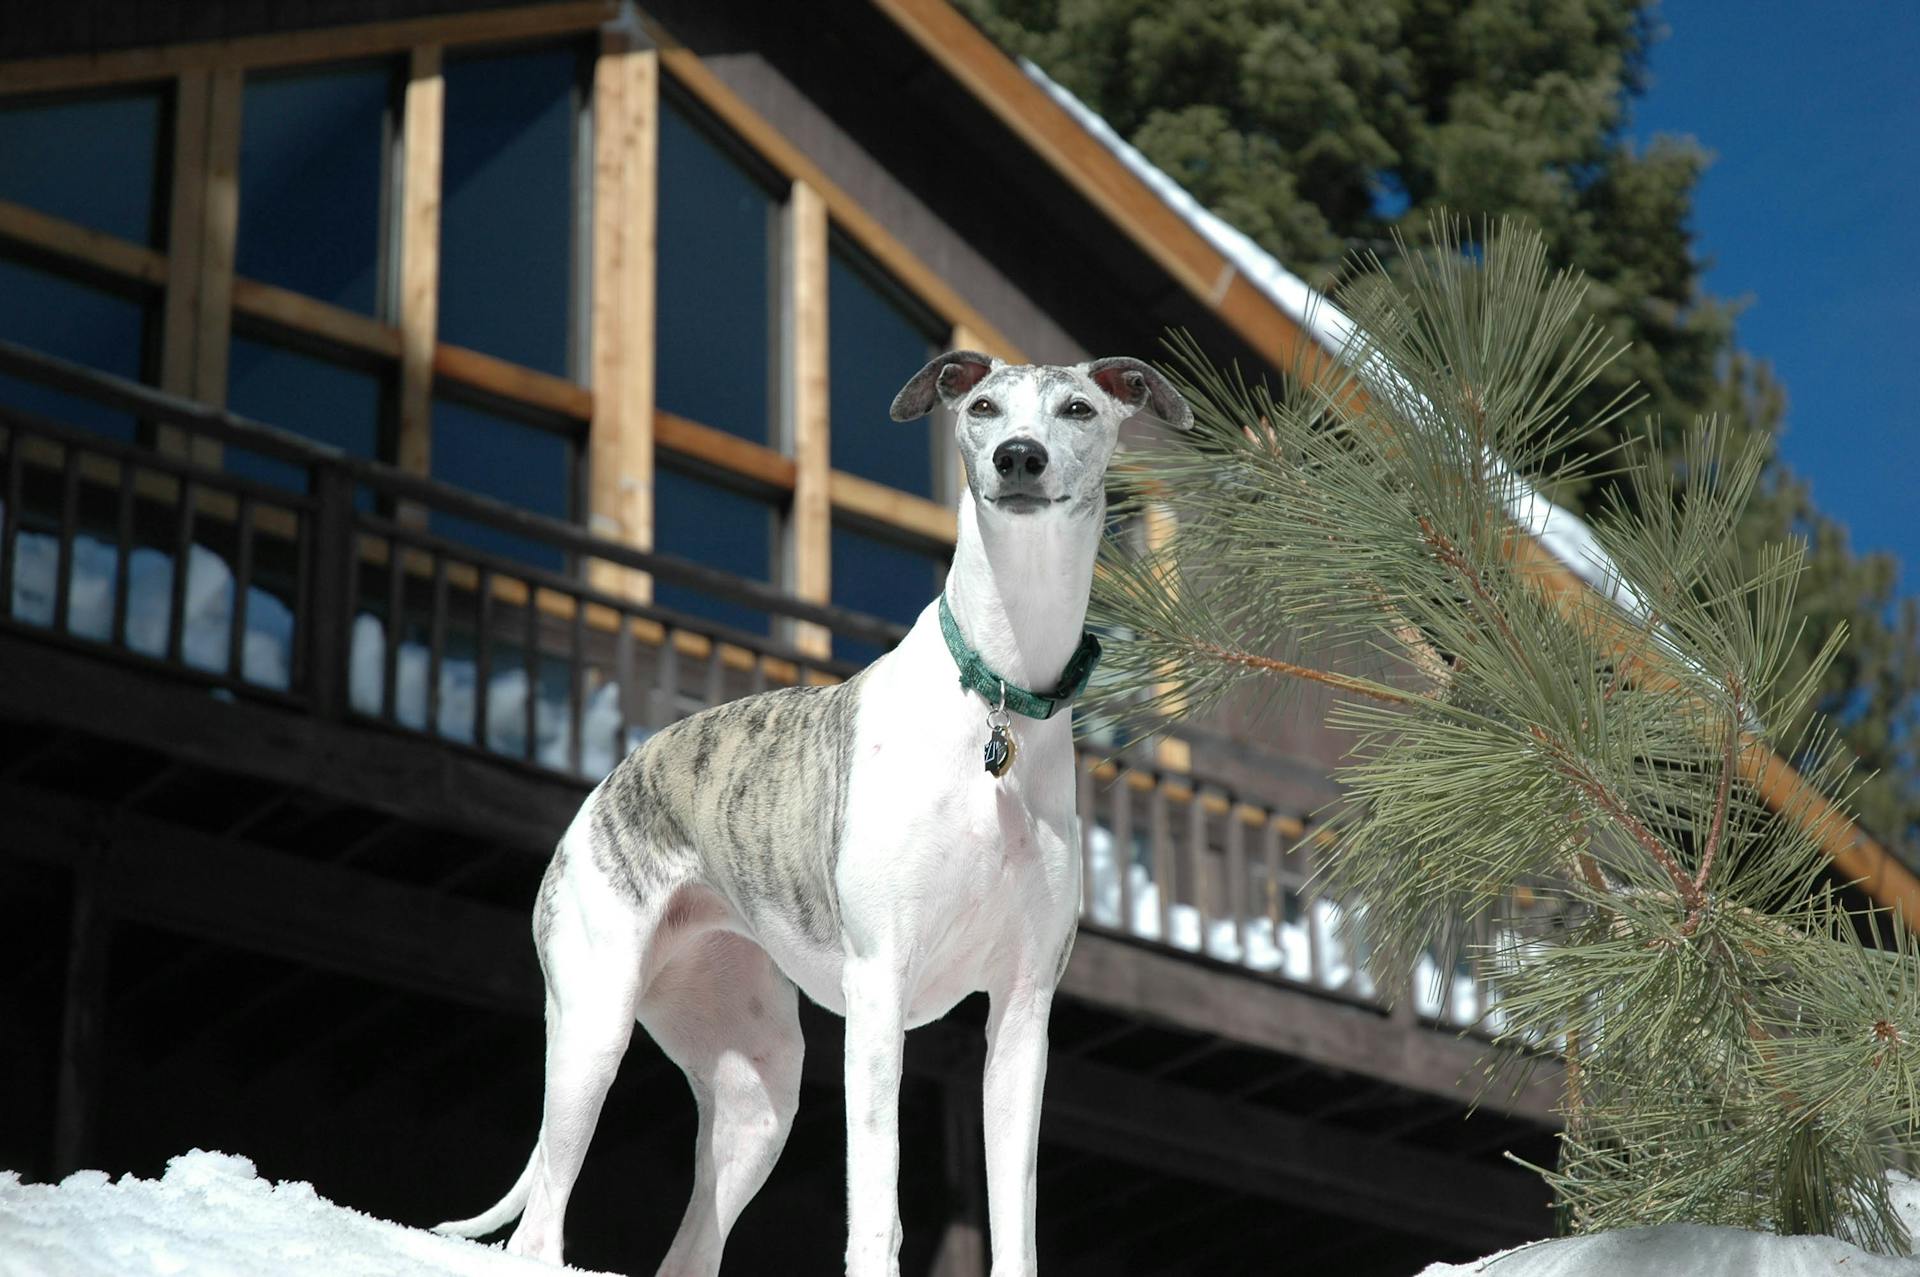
(592, 942)
(726, 1015)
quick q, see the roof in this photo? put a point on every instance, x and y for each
(1281, 318)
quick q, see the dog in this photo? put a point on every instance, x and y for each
(887, 846)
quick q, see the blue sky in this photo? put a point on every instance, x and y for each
(1811, 212)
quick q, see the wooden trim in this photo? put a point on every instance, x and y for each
(315, 318)
(692, 75)
(723, 451)
(111, 66)
(186, 219)
(1245, 1007)
(424, 115)
(512, 381)
(877, 503)
(811, 527)
(220, 238)
(81, 245)
(1027, 111)
(620, 435)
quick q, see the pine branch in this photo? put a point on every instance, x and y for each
(1733, 1053)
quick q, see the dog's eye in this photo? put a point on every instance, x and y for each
(1079, 408)
(981, 407)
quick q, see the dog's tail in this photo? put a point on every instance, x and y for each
(503, 1211)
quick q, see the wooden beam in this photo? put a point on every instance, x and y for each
(292, 48)
(213, 321)
(186, 231)
(424, 113)
(1250, 1148)
(865, 229)
(507, 380)
(620, 436)
(83, 1018)
(81, 245)
(411, 778)
(722, 451)
(1247, 1008)
(890, 507)
(810, 529)
(314, 318)
(263, 901)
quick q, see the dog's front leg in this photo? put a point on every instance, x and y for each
(876, 990)
(1016, 1074)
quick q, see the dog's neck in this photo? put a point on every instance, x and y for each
(1018, 589)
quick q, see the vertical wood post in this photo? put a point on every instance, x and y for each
(424, 115)
(328, 617)
(77, 1098)
(963, 1246)
(812, 523)
(626, 81)
(221, 239)
(186, 222)
(202, 230)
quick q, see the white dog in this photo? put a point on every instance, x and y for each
(889, 845)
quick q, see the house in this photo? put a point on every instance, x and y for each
(405, 405)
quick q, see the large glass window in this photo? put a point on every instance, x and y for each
(324, 401)
(94, 160)
(876, 342)
(714, 280)
(313, 149)
(507, 206)
(716, 526)
(88, 325)
(881, 578)
(525, 465)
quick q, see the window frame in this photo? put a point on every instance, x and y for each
(617, 428)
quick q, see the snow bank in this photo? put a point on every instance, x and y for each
(1689, 1249)
(1696, 1251)
(211, 1215)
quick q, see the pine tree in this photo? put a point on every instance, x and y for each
(1734, 1051)
(1326, 129)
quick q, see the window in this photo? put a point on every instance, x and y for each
(328, 403)
(76, 321)
(717, 526)
(882, 578)
(875, 344)
(94, 160)
(313, 150)
(507, 244)
(714, 284)
(527, 466)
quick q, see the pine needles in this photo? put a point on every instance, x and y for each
(1737, 1048)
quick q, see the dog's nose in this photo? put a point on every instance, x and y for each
(1020, 457)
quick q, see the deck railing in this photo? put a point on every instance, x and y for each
(266, 566)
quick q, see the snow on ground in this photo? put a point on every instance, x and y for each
(211, 1215)
(1683, 1250)
(1690, 1250)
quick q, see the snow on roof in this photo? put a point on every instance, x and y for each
(1563, 534)
(211, 1215)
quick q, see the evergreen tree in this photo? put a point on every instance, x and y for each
(1325, 129)
(1578, 777)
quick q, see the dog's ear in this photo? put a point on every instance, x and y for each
(1132, 382)
(946, 377)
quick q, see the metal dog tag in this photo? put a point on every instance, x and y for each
(1002, 748)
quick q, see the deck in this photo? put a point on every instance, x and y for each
(285, 703)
